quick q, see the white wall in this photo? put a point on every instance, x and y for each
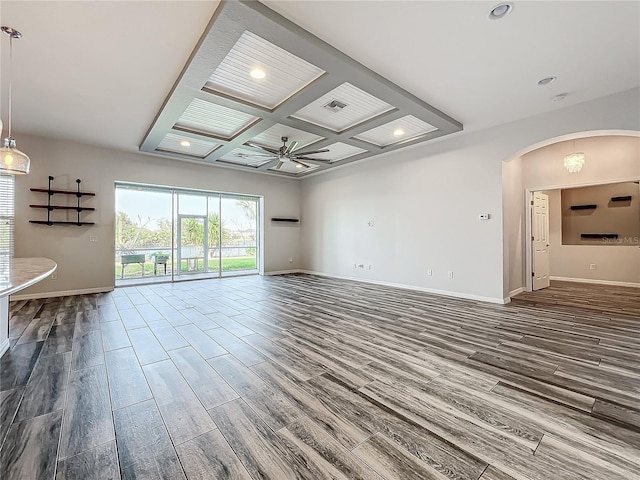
(84, 265)
(425, 203)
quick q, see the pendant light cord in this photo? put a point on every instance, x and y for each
(10, 78)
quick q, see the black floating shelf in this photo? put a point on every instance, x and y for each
(65, 192)
(583, 207)
(290, 220)
(626, 198)
(598, 235)
(61, 207)
(44, 222)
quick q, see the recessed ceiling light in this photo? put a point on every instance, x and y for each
(298, 165)
(500, 10)
(559, 97)
(184, 143)
(258, 73)
(547, 81)
(398, 132)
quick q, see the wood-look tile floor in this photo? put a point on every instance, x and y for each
(601, 298)
(313, 378)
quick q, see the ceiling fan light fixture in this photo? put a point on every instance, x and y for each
(12, 160)
(501, 10)
(257, 73)
(185, 143)
(298, 165)
(398, 132)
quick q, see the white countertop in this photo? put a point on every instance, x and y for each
(19, 273)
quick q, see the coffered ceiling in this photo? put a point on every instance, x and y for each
(99, 72)
(256, 78)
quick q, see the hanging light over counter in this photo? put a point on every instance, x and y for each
(12, 160)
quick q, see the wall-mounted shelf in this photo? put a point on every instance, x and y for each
(61, 207)
(584, 207)
(45, 222)
(49, 207)
(598, 235)
(281, 219)
(63, 192)
(626, 198)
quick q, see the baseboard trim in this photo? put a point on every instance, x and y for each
(446, 293)
(4, 347)
(64, 293)
(515, 292)
(283, 272)
(598, 282)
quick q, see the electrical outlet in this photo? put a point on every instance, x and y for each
(54, 276)
(367, 267)
(370, 223)
(592, 266)
(429, 272)
(361, 265)
(450, 274)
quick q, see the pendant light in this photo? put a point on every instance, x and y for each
(12, 160)
(574, 161)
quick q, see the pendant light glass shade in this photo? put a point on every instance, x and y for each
(12, 160)
(574, 162)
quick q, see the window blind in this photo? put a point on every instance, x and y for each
(7, 214)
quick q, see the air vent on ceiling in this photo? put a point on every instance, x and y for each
(334, 106)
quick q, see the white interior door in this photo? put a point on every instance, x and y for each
(540, 239)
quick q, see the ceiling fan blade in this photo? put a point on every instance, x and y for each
(312, 152)
(291, 147)
(279, 166)
(262, 161)
(252, 155)
(300, 163)
(266, 149)
(309, 158)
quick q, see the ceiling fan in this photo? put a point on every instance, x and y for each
(278, 157)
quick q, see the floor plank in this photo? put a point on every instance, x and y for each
(30, 448)
(394, 463)
(182, 412)
(87, 421)
(322, 454)
(262, 453)
(46, 390)
(210, 456)
(99, 463)
(210, 387)
(127, 383)
(144, 448)
(268, 403)
(146, 346)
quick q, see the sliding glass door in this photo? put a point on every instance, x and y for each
(166, 234)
